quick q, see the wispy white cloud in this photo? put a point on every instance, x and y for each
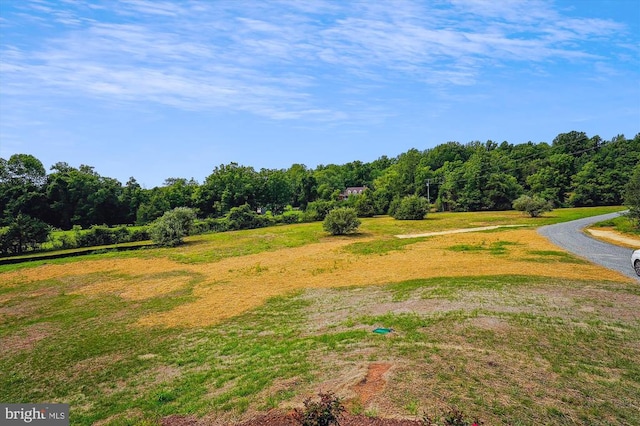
(277, 59)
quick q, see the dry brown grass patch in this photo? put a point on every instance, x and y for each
(235, 285)
(135, 287)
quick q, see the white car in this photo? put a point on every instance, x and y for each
(635, 261)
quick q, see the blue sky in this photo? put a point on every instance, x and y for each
(157, 89)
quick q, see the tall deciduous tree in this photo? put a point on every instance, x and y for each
(632, 195)
(22, 179)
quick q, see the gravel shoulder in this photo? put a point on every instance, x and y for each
(571, 237)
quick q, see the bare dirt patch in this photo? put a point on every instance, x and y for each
(611, 236)
(26, 339)
(458, 231)
(373, 383)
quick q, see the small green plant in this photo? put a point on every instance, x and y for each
(453, 417)
(324, 412)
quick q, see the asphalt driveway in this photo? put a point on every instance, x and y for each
(570, 237)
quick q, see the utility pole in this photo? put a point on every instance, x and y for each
(428, 197)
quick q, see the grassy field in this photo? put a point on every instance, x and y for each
(499, 323)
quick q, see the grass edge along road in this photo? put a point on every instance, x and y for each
(509, 348)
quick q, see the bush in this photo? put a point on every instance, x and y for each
(364, 204)
(534, 206)
(244, 217)
(102, 236)
(291, 216)
(453, 417)
(210, 225)
(170, 229)
(341, 221)
(411, 207)
(96, 236)
(325, 412)
(318, 210)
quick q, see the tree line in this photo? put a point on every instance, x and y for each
(573, 170)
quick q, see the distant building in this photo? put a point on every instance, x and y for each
(352, 190)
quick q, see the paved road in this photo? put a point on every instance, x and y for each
(569, 236)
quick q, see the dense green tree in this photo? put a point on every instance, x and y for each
(553, 180)
(303, 185)
(364, 204)
(155, 204)
(357, 173)
(601, 180)
(574, 169)
(330, 181)
(275, 192)
(178, 192)
(228, 186)
(131, 197)
(501, 189)
(82, 197)
(448, 152)
(632, 195)
(480, 183)
(22, 180)
(23, 233)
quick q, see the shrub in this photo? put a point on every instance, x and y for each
(453, 417)
(172, 227)
(534, 206)
(210, 225)
(103, 235)
(244, 217)
(324, 412)
(291, 216)
(341, 221)
(364, 205)
(95, 236)
(411, 207)
(318, 210)
(141, 234)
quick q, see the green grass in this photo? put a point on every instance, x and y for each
(621, 224)
(537, 362)
(380, 246)
(509, 349)
(217, 246)
(495, 248)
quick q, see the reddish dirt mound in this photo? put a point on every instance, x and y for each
(366, 390)
(373, 383)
